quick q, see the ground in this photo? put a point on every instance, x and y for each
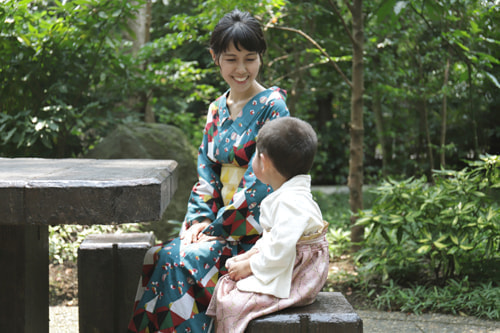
(63, 280)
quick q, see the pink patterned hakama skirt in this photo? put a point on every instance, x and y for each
(234, 309)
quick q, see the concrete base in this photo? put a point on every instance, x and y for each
(109, 267)
(24, 281)
(331, 312)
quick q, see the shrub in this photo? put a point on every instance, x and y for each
(64, 70)
(417, 230)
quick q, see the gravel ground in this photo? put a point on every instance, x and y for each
(64, 319)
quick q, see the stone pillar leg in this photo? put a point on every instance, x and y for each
(109, 267)
(24, 278)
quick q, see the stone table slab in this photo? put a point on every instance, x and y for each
(84, 191)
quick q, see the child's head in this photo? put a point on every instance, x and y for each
(290, 144)
(242, 30)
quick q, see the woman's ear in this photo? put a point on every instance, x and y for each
(212, 53)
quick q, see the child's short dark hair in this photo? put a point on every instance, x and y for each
(241, 29)
(290, 143)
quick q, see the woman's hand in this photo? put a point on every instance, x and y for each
(192, 234)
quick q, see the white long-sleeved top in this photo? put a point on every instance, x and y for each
(286, 215)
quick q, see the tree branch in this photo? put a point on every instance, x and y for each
(348, 5)
(312, 41)
(275, 81)
(347, 30)
(459, 52)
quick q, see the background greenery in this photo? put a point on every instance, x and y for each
(68, 75)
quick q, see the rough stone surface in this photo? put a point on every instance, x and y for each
(329, 313)
(155, 141)
(24, 299)
(109, 266)
(84, 191)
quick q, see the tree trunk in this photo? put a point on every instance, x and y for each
(355, 179)
(444, 114)
(379, 126)
(141, 26)
(428, 137)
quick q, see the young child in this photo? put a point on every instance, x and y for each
(289, 264)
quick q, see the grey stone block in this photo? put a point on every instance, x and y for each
(109, 267)
(331, 313)
(24, 300)
(84, 191)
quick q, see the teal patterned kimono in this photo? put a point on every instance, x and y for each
(178, 281)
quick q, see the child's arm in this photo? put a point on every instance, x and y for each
(245, 255)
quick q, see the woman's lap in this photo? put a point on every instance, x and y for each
(179, 286)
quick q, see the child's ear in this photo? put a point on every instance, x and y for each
(266, 161)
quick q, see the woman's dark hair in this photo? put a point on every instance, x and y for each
(290, 143)
(241, 29)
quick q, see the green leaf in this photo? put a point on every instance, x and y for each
(385, 11)
(493, 79)
(424, 249)
(439, 245)
(363, 221)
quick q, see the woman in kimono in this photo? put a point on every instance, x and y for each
(223, 211)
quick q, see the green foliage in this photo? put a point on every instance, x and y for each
(68, 75)
(417, 230)
(457, 297)
(64, 240)
(63, 71)
(335, 209)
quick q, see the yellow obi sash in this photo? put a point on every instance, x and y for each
(230, 176)
(319, 234)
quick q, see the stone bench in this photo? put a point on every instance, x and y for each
(331, 313)
(109, 266)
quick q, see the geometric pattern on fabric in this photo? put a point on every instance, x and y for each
(231, 176)
(210, 279)
(151, 305)
(184, 307)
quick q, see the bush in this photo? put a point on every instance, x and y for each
(64, 70)
(436, 230)
(64, 240)
(434, 247)
(457, 297)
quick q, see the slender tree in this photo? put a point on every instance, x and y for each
(355, 180)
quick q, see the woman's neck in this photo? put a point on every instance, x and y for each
(237, 100)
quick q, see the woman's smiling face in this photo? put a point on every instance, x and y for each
(239, 68)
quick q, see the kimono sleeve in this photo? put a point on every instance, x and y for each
(205, 200)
